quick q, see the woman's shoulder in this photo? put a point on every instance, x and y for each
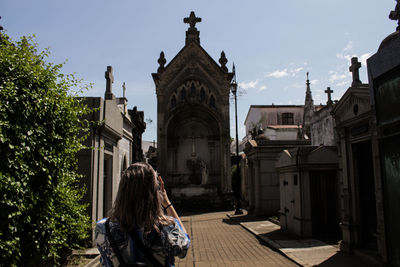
(175, 239)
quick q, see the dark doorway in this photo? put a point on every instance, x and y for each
(391, 170)
(107, 184)
(324, 204)
(364, 175)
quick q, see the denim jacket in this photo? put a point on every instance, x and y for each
(171, 242)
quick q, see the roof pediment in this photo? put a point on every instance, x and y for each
(192, 62)
(355, 102)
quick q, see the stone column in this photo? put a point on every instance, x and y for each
(257, 185)
(251, 188)
(380, 231)
(346, 220)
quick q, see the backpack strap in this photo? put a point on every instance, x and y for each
(146, 251)
(113, 245)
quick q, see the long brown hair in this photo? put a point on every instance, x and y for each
(138, 201)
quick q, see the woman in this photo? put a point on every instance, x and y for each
(138, 232)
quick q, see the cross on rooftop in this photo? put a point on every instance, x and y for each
(395, 14)
(109, 81)
(328, 91)
(354, 69)
(123, 89)
(192, 20)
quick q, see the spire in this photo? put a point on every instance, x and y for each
(308, 111)
(308, 99)
(192, 34)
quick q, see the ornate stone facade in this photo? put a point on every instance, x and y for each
(193, 123)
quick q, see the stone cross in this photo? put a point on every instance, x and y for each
(192, 20)
(354, 69)
(328, 91)
(123, 90)
(395, 15)
(193, 137)
(109, 81)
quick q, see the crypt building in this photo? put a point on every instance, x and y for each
(114, 142)
(193, 123)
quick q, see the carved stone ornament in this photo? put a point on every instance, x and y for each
(395, 14)
(161, 60)
(223, 61)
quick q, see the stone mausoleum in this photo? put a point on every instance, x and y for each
(112, 146)
(193, 124)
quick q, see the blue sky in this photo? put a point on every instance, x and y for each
(273, 43)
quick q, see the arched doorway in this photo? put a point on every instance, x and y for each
(193, 148)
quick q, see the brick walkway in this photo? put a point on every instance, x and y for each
(216, 242)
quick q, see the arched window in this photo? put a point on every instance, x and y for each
(173, 102)
(212, 101)
(192, 90)
(202, 95)
(183, 94)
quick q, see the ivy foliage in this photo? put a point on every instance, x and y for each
(41, 130)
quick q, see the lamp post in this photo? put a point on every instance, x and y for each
(237, 194)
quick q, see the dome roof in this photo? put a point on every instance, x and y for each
(389, 39)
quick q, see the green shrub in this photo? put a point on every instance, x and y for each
(41, 126)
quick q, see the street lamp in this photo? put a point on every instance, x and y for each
(237, 194)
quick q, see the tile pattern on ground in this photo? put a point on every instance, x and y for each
(217, 243)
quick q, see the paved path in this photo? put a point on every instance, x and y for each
(217, 241)
(306, 252)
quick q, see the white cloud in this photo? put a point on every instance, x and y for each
(337, 77)
(314, 82)
(295, 71)
(363, 59)
(297, 85)
(298, 69)
(343, 83)
(278, 73)
(346, 57)
(262, 88)
(248, 85)
(348, 47)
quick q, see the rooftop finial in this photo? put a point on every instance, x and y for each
(308, 81)
(161, 60)
(354, 69)
(328, 91)
(395, 14)
(109, 81)
(192, 20)
(192, 34)
(123, 90)
(223, 61)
